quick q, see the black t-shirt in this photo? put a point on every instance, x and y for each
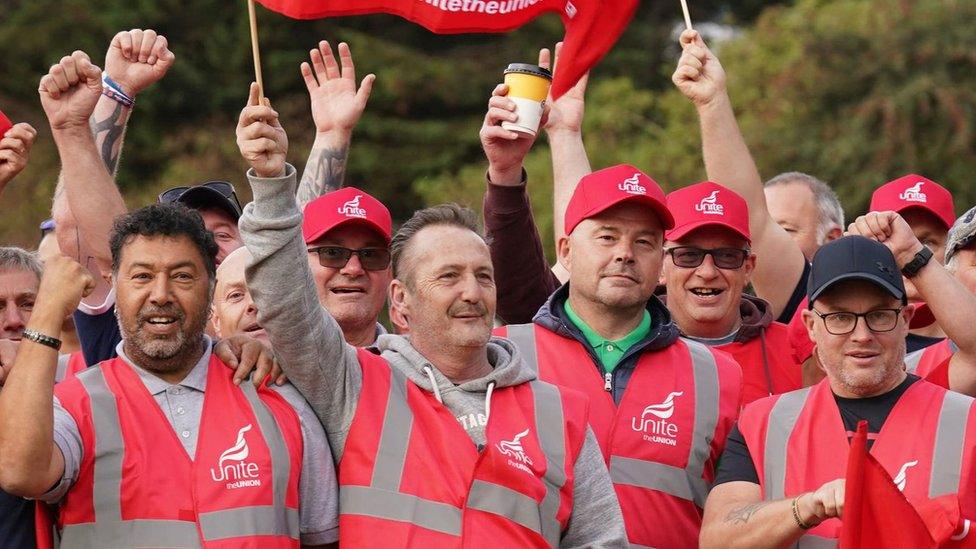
(16, 522)
(916, 342)
(799, 294)
(737, 465)
(98, 334)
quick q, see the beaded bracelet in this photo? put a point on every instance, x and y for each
(113, 91)
(796, 516)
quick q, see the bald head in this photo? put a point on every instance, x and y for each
(234, 310)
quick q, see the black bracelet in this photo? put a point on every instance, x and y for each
(38, 337)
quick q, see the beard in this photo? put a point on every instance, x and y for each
(164, 355)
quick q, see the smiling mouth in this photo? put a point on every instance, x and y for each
(160, 320)
(253, 328)
(707, 292)
(347, 291)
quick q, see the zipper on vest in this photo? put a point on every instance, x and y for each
(608, 382)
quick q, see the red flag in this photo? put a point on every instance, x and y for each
(876, 513)
(5, 124)
(592, 26)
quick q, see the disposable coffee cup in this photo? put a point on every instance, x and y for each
(528, 87)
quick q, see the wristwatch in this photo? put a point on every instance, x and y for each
(920, 260)
(38, 337)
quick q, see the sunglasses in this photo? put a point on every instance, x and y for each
(224, 188)
(689, 257)
(336, 257)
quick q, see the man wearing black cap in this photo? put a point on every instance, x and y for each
(217, 204)
(780, 480)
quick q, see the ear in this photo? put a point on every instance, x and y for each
(563, 252)
(809, 320)
(215, 320)
(398, 296)
(833, 234)
(908, 312)
(749, 266)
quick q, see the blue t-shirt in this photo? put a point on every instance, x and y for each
(98, 334)
(16, 522)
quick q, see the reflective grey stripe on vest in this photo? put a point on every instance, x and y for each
(949, 445)
(523, 336)
(684, 483)
(62, 368)
(384, 504)
(246, 521)
(782, 419)
(259, 520)
(912, 360)
(810, 541)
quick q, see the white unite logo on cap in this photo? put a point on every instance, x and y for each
(352, 209)
(632, 185)
(710, 206)
(914, 193)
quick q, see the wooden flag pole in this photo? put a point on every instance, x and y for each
(256, 50)
(684, 8)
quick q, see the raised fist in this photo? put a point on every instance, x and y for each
(566, 113)
(260, 137)
(699, 75)
(15, 147)
(64, 283)
(336, 104)
(137, 59)
(505, 149)
(890, 229)
(70, 90)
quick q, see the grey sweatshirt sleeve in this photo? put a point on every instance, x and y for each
(307, 340)
(596, 520)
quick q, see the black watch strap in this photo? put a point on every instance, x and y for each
(38, 337)
(920, 260)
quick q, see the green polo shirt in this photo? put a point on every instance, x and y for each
(610, 352)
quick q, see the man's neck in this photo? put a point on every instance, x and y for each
(360, 336)
(173, 370)
(459, 365)
(707, 330)
(611, 323)
(845, 392)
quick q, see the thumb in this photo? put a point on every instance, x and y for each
(689, 36)
(93, 76)
(365, 88)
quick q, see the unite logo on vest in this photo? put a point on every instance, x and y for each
(514, 450)
(710, 206)
(352, 209)
(654, 424)
(632, 185)
(239, 473)
(901, 479)
(914, 193)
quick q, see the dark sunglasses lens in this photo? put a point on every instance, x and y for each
(728, 258)
(334, 256)
(687, 257)
(221, 187)
(374, 259)
(172, 195)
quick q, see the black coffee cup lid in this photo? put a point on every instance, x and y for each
(528, 68)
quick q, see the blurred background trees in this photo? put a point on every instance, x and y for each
(855, 92)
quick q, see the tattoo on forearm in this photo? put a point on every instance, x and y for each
(110, 131)
(324, 172)
(743, 514)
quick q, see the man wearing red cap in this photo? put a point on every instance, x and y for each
(661, 407)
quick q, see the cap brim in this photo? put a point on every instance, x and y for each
(922, 208)
(204, 197)
(660, 209)
(867, 277)
(680, 232)
(368, 223)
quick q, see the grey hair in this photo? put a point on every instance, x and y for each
(451, 215)
(19, 259)
(831, 212)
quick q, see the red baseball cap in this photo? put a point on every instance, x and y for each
(603, 189)
(915, 191)
(707, 204)
(347, 205)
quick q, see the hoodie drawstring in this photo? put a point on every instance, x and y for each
(769, 376)
(491, 388)
(433, 383)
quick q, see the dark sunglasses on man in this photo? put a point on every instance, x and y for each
(690, 257)
(336, 257)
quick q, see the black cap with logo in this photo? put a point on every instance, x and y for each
(854, 258)
(212, 194)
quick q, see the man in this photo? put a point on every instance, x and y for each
(197, 457)
(420, 463)
(233, 309)
(780, 479)
(806, 208)
(709, 265)
(217, 204)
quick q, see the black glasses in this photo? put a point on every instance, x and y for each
(224, 188)
(878, 320)
(336, 257)
(689, 257)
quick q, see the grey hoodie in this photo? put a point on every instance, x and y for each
(318, 361)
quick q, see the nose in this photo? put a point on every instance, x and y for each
(470, 289)
(353, 268)
(250, 307)
(623, 252)
(861, 331)
(13, 321)
(161, 292)
(707, 269)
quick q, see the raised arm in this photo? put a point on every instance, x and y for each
(521, 271)
(336, 108)
(15, 147)
(307, 340)
(30, 462)
(701, 78)
(736, 516)
(952, 304)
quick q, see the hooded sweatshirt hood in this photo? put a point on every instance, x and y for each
(468, 401)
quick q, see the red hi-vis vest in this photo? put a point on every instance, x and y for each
(411, 476)
(663, 440)
(924, 361)
(136, 483)
(798, 442)
(69, 366)
(767, 363)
